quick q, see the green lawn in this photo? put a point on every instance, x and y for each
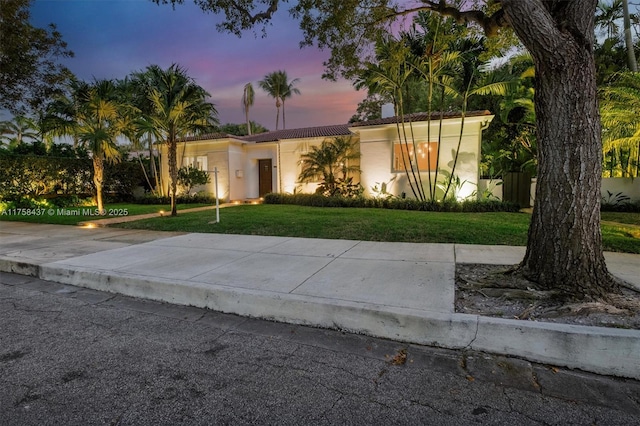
(74, 215)
(629, 218)
(378, 225)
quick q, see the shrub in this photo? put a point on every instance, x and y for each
(190, 176)
(618, 202)
(317, 200)
(37, 176)
(199, 198)
(623, 207)
(32, 203)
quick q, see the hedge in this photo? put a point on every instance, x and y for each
(316, 200)
(37, 176)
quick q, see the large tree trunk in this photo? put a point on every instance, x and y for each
(564, 249)
(98, 178)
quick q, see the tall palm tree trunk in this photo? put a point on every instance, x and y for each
(628, 39)
(172, 149)
(246, 113)
(284, 123)
(98, 179)
(155, 174)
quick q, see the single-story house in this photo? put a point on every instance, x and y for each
(251, 166)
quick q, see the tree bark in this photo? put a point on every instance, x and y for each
(246, 113)
(284, 123)
(98, 178)
(628, 39)
(172, 152)
(564, 249)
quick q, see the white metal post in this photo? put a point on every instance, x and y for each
(215, 178)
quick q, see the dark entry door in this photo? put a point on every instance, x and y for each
(265, 177)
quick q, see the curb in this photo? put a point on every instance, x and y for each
(601, 350)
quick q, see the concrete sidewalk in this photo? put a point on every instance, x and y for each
(401, 291)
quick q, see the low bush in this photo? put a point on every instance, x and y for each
(317, 200)
(27, 202)
(40, 176)
(198, 198)
(622, 207)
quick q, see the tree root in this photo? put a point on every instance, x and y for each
(585, 309)
(505, 292)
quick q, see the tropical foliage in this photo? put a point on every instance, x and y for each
(95, 117)
(18, 130)
(248, 98)
(620, 102)
(431, 68)
(33, 170)
(178, 109)
(333, 164)
(136, 90)
(148, 107)
(29, 69)
(510, 144)
(190, 177)
(278, 86)
(241, 129)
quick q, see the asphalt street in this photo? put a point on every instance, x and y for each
(74, 356)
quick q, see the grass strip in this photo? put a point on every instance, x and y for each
(374, 225)
(75, 215)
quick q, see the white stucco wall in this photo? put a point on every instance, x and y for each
(217, 155)
(376, 146)
(627, 186)
(253, 153)
(236, 180)
(290, 152)
(237, 161)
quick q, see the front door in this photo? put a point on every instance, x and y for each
(265, 184)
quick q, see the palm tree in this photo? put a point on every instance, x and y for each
(248, 97)
(324, 162)
(289, 91)
(277, 86)
(628, 39)
(16, 131)
(139, 90)
(95, 117)
(389, 77)
(607, 15)
(179, 109)
(273, 84)
(64, 107)
(131, 92)
(620, 123)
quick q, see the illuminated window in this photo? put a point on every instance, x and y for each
(199, 162)
(425, 155)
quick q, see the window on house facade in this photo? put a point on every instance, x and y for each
(199, 162)
(425, 156)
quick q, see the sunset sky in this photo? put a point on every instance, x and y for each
(112, 38)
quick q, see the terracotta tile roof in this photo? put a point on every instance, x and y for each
(328, 131)
(207, 137)
(306, 132)
(419, 116)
